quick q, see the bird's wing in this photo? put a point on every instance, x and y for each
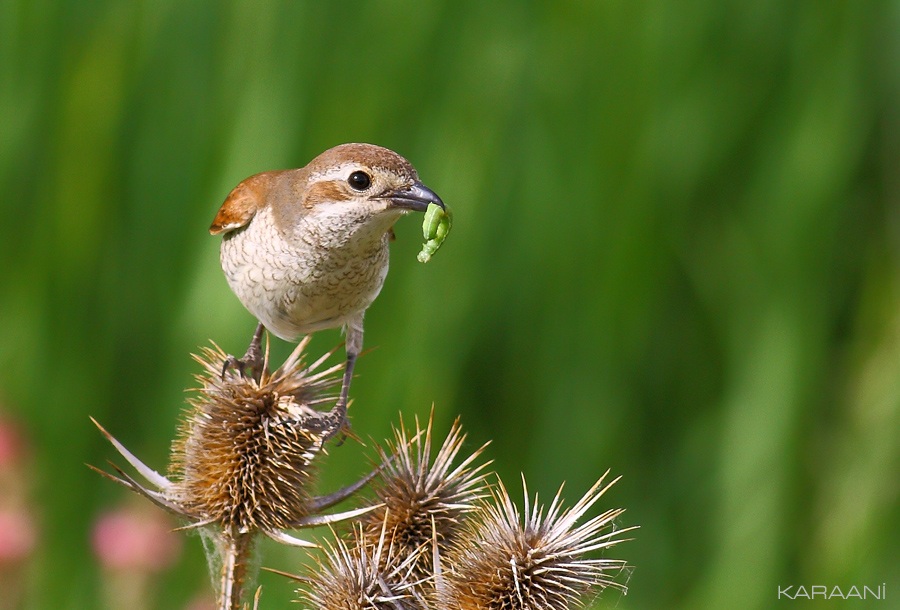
(242, 203)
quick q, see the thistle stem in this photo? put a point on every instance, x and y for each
(236, 551)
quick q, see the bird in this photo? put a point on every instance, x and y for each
(307, 249)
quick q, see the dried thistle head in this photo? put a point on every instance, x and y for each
(244, 457)
(244, 460)
(363, 574)
(536, 560)
(423, 500)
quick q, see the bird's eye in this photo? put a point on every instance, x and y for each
(359, 181)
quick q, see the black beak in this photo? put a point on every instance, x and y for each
(415, 198)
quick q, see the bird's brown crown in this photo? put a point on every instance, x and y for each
(364, 155)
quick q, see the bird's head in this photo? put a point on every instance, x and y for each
(354, 187)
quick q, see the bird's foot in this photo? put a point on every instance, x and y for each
(333, 423)
(338, 422)
(252, 363)
(246, 368)
(346, 431)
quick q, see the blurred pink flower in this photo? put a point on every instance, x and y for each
(135, 540)
(18, 535)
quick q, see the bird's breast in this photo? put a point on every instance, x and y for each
(302, 282)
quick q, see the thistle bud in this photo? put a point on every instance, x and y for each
(244, 461)
(364, 574)
(535, 560)
(245, 453)
(423, 500)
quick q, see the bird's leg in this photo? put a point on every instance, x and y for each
(354, 347)
(252, 362)
(340, 409)
(253, 357)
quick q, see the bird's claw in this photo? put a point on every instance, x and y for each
(252, 364)
(244, 367)
(346, 431)
(333, 423)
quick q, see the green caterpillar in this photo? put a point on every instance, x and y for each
(435, 229)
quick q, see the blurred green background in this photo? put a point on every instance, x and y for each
(676, 255)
